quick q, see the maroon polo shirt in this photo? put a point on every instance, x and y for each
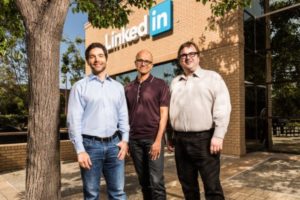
(144, 101)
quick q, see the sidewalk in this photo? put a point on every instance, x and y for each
(256, 176)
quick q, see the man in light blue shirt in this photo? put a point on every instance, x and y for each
(98, 127)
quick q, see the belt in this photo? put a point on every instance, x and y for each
(193, 133)
(101, 139)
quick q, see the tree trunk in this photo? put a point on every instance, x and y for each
(44, 22)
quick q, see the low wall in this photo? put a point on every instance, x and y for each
(13, 156)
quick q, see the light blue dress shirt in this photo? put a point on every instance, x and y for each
(96, 108)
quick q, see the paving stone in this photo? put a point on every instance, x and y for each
(256, 176)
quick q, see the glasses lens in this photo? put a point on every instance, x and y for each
(146, 62)
(182, 56)
(191, 55)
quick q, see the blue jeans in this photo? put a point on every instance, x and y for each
(150, 172)
(104, 162)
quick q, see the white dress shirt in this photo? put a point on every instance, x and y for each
(200, 102)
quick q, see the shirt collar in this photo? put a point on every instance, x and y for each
(198, 73)
(149, 79)
(94, 77)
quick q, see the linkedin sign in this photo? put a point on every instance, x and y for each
(160, 20)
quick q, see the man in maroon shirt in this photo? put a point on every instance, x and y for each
(148, 100)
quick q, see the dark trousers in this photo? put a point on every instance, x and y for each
(192, 155)
(150, 172)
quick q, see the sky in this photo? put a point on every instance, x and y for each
(73, 27)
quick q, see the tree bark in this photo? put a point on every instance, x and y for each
(44, 22)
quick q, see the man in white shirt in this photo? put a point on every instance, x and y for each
(199, 114)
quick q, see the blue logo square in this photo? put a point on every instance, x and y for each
(161, 18)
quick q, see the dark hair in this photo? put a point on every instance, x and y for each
(187, 44)
(95, 45)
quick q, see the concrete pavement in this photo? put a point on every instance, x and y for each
(256, 176)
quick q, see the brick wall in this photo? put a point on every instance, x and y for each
(230, 58)
(13, 156)
(67, 151)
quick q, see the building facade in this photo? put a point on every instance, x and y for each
(222, 50)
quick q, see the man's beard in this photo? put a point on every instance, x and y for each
(96, 72)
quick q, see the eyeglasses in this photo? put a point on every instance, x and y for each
(191, 55)
(140, 61)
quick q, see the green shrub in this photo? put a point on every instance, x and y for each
(19, 121)
(62, 121)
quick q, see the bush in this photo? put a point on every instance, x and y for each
(62, 121)
(19, 121)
